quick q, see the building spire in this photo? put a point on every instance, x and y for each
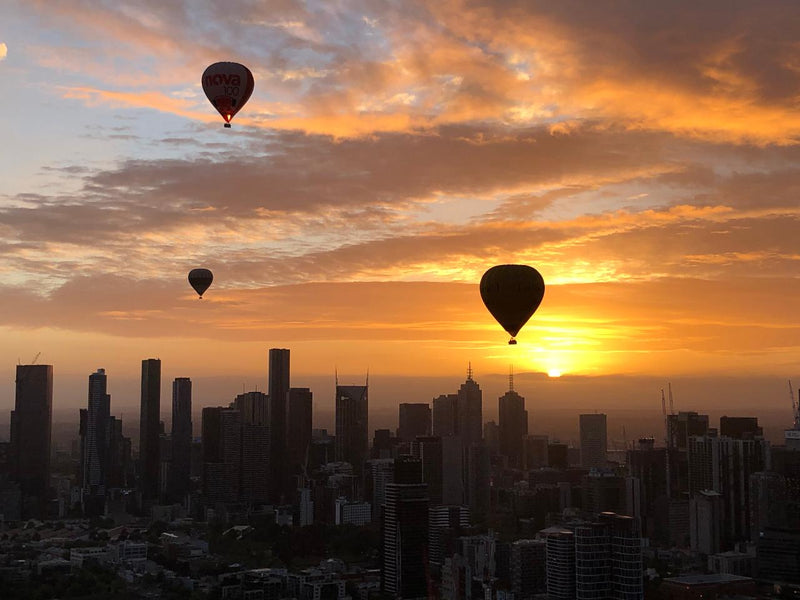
(510, 378)
(469, 371)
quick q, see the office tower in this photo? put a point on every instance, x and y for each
(593, 441)
(528, 568)
(603, 492)
(95, 467)
(740, 428)
(560, 565)
(414, 420)
(253, 407)
(534, 452)
(255, 464)
(278, 400)
(444, 519)
(383, 444)
(478, 480)
(149, 430)
(222, 447)
(299, 427)
(469, 412)
(608, 559)
(768, 502)
(778, 555)
(352, 425)
(453, 489)
(647, 464)
(31, 422)
(491, 437)
(684, 425)
(558, 456)
(445, 419)
(181, 437)
(381, 474)
(705, 521)
(429, 451)
(724, 465)
(513, 424)
(405, 533)
(119, 456)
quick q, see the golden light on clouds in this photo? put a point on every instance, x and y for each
(3, 50)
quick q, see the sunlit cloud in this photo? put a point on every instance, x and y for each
(3, 50)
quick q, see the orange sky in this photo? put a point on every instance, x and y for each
(642, 156)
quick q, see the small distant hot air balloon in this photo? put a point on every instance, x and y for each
(512, 293)
(200, 280)
(228, 86)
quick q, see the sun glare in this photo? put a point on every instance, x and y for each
(554, 373)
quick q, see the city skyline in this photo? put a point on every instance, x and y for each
(352, 208)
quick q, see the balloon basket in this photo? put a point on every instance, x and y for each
(512, 342)
(227, 125)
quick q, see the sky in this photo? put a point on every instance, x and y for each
(642, 155)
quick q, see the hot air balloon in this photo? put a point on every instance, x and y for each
(228, 86)
(512, 293)
(200, 280)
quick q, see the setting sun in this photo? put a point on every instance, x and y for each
(554, 373)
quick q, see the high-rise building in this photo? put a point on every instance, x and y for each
(724, 465)
(181, 437)
(301, 403)
(429, 451)
(470, 412)
(120, 473)
(254, 407)
(528, 573)
(593, 441)
(513, 424)
(150, 430)
(442, 519)
(352, 425)
(453, 488)
(222, 454)
(705, 522)
(255, 464)
(445, 415)
(560, 565)
(682, 426)
(405, 533)
(534, 452)
(647, 464)
(278, 400)
(740, 428)
(768, 503)
(95, 459)
(478, 480)
(414, 420)
(31, 422)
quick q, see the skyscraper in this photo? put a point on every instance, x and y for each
(405, 533)
(31, 422)
(445, 415)
(414, 419)
(513, 426)
(149, 430)
(181, 437)
(429, 451)
(222, 450)
(301, 402)
(470, 412)
(560, 563)
(254, 465)
(352, 425)
(593, 441)
(95, 467)
(278, 400)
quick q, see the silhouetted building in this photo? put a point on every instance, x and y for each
(414, 420)
(740, 428)
(149, 430)
(470, 412)
(405, 533)
(647, 464)
(96, 445)
(724, 465)
(120, 473)
(222, 450)
(253, 407)
(778, 555)
(445, 415)
(528, 568)
(534, 452)
(491, 437)
(705, 521)
(254, 465)
(31, 422)
(383, 444)
(478, 480)
(768, 502)
(682, 426)
(181, 437)
(558, 456)
(352, 425)
(593, 441)
(453, 488)
(278, 400)
(560, 565)
(513, 422)
(429, 451)
(443, 520)
(301, 403)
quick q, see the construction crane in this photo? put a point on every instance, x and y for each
(666, 440)
(795, 407)
(671, 406)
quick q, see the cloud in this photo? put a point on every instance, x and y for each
(3, 50)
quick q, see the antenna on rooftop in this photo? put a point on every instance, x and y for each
(511, 378)
(469, 371)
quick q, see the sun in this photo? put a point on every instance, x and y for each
(554, 373)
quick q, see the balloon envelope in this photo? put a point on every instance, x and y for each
(512, 293)
(228, 86)
(200, 280)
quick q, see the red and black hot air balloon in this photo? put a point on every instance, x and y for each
(228, 86)
(512, 293)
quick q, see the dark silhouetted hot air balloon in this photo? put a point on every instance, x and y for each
(228, 86)
(200, 279)
(512, 293)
